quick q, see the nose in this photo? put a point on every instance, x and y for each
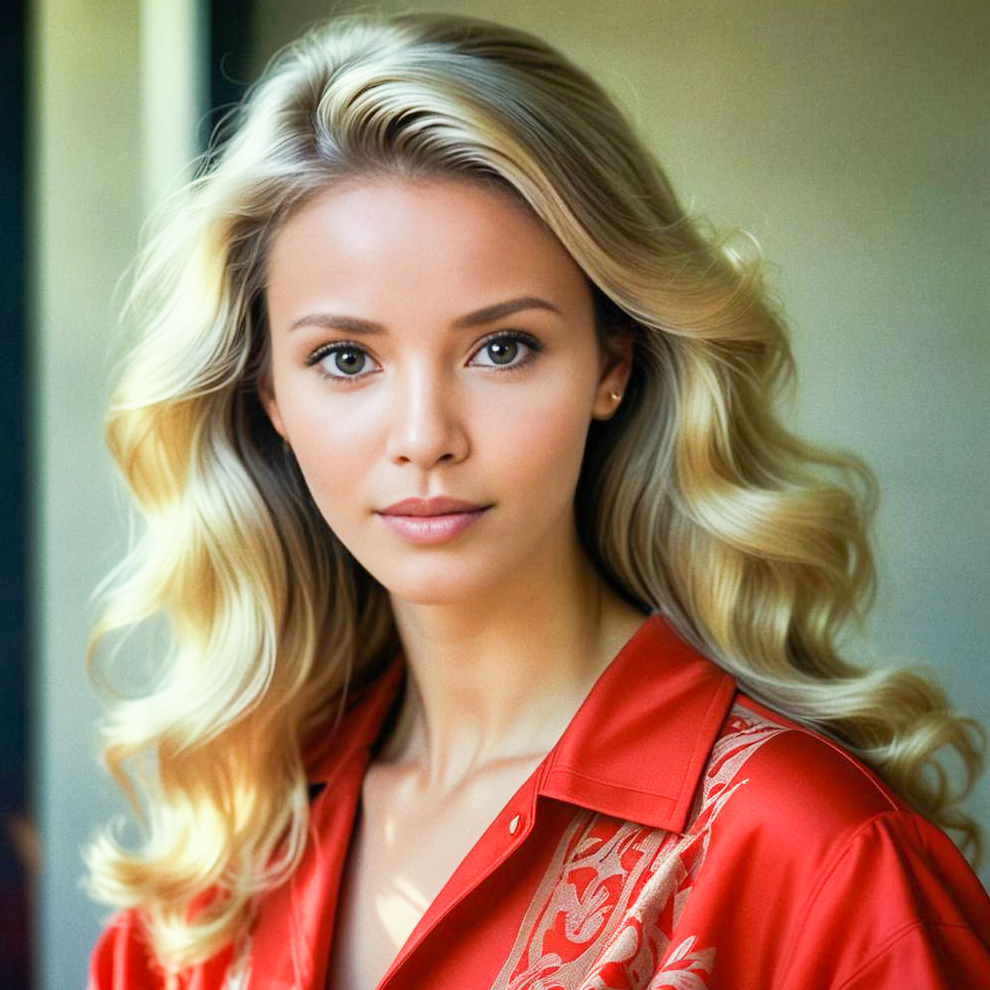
(427, 420)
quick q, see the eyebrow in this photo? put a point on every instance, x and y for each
(355, 325)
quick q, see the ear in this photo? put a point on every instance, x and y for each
(617, 363)
(266, 393)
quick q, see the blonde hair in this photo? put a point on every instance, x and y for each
(693, 500)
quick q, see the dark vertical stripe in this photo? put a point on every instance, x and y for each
(14, 397)
(230, 43)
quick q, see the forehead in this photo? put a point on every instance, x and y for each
(437, 244)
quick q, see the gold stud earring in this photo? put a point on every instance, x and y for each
(615, 396)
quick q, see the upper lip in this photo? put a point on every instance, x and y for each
(430, 507)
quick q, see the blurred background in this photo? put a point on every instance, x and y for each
(850, 138)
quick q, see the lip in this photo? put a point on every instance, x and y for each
(441, 505)
(432, 529)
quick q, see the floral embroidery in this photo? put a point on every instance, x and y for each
(682, 968)
(605, 914)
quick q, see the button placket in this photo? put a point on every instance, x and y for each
(500, 851)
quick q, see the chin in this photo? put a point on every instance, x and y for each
(426, 600)
(438, 585)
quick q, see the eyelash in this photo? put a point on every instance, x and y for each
(345, 345)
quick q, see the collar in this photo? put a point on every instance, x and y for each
(638, 745)
(635, 749)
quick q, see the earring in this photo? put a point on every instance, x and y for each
(615, 396)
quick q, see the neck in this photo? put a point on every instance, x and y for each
(499, 682)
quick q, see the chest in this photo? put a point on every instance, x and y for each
(405, 846)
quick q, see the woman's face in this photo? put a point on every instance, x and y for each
(430, 338)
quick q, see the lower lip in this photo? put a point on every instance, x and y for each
(431, 529)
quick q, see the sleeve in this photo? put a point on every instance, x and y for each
(121, 959)
(898, 908)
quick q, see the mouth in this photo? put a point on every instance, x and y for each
(436, 528)
(441, 505)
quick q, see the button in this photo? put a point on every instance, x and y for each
(514, 825)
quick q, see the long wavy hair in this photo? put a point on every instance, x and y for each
(693, 500)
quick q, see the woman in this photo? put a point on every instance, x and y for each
(503, 610)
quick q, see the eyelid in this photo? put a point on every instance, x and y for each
(521, 336)
(334, 346)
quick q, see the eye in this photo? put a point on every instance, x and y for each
(341, 360)
(346, 361)
(503, 348)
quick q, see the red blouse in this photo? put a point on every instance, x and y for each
(679, 835)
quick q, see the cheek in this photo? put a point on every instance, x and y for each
(331, 454)
(333, 457)
(544, 446)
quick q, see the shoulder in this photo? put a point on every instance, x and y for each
(769, 773)
(800, 831)
(784, 787)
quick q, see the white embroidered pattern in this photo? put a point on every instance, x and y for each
(605, 913)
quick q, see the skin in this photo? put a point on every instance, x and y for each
(427, 411)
